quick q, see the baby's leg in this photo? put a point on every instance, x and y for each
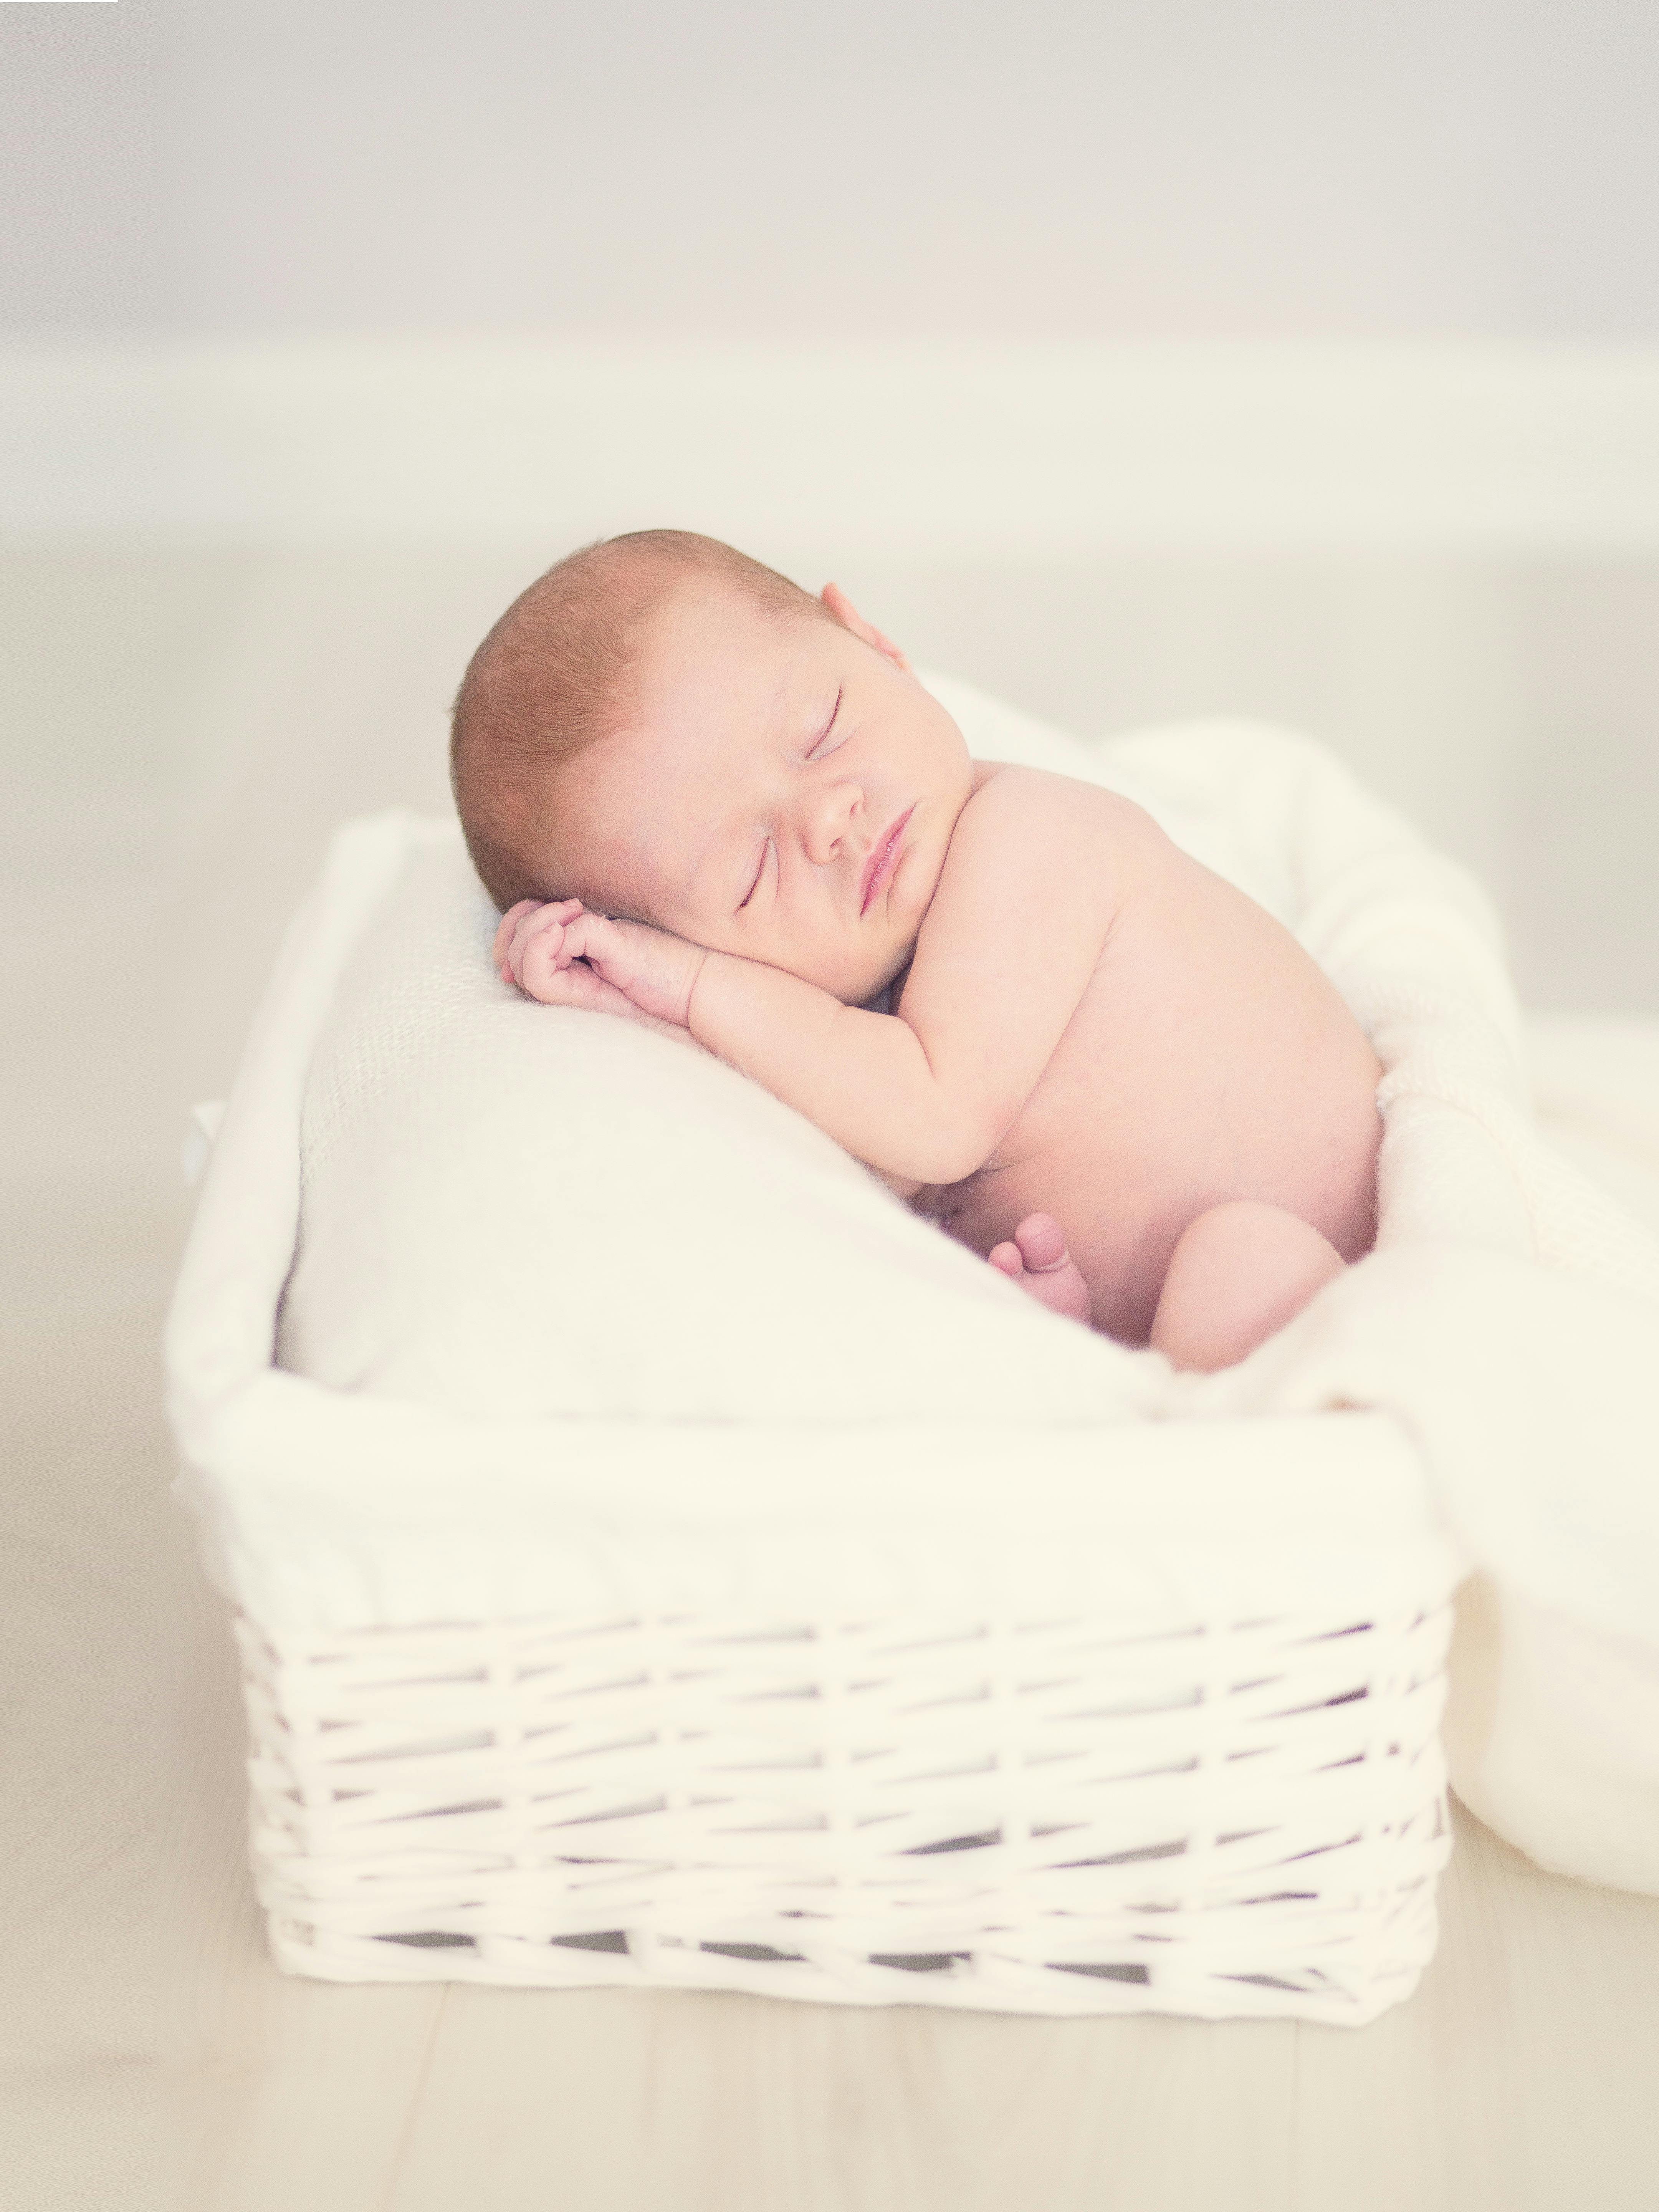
(1038, 1261)
(1238, 1273)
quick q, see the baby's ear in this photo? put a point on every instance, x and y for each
(849, 618)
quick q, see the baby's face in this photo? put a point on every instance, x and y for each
(782, 790)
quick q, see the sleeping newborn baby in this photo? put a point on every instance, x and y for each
(705, 799)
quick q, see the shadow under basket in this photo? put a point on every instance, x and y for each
(1052, 1816)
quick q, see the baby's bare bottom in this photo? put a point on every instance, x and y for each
(1238, 1272)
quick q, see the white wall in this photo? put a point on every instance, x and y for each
(876, 168)
(1136, 360)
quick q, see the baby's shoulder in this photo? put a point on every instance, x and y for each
(1043, 841)
(1010, 802)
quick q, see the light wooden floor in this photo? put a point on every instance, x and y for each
(151, 2059)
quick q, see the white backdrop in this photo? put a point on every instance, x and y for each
(1300, 360)
(876, 168)
(1442, 558)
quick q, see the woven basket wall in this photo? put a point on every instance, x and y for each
(1048, 1816)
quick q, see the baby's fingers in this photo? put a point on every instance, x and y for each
(578, 986)
(531, 956)
(538, 922)
(520, 923)
(542, 958)
(509, 922)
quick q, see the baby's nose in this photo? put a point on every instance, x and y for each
(829, 816)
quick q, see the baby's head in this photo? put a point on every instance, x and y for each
(665, 729)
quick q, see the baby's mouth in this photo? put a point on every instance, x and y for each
(883, 860)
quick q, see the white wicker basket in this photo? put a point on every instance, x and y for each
(1038, 1816)
(1139, 1716)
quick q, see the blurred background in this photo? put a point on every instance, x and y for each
(1298, 360)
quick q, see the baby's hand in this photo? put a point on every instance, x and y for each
(566, 957)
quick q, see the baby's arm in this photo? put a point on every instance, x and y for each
(1016, 925)
(1031, 887)
(1028, 895)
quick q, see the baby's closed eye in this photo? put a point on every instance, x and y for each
(822, 745)
(760, 870)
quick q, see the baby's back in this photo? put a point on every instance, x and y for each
(1209, 1059)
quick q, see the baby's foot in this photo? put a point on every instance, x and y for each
(1038, 1261)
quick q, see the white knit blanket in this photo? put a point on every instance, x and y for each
(1509, 1318)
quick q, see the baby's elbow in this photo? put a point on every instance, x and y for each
(949, 1152)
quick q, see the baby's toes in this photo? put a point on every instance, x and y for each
(1041, 1241)
(1050, 1274)
(1006, 1259)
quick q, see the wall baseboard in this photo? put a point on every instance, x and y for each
(947, 451)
